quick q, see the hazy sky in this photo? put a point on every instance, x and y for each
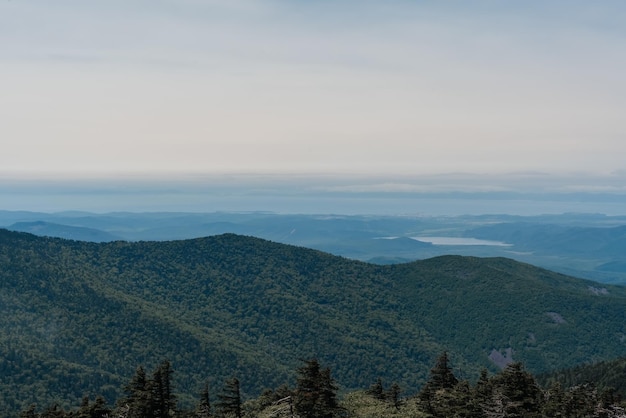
(376, 87)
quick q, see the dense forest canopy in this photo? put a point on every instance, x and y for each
(513, 392)
(591, 246)
(79, 317)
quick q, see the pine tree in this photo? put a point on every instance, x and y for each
(307, 388)
(482, 392)
(441, 379)
(376, 390)
(394, 395)
(97, 409)
(463, 403)
(204, 406)
(137, 399)
(53, 411)
(162, 400)
(518, 391)
(229, 403)
(328, 403)
(441, 376)
(315, 394)
(29, 412)
(581, 401)
(554, 401)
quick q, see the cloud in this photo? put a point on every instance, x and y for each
(408, 188)
(369, 87)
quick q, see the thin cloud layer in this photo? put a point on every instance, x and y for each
(400, 88)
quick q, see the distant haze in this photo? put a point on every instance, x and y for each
(396, 88)
(418, 195)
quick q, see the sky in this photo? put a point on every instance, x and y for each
(394, 91)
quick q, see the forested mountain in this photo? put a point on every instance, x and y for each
(78, 317)
(50, 229)
(591, 246)
(604, 374)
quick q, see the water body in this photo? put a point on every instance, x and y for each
(460, 241)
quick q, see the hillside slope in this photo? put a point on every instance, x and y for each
(512, 311)
(78, 317)
(605, 375)
(590, 246)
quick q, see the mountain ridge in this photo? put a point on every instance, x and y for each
(580, 245)
(237, 305)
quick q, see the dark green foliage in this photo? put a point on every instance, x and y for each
(162, 400)
(150, 397)
(394, 395)
(77, 317)
(441, 376)
(203, 410)
(580, 401)
(510, 393)
(516, 393)
(271, 403)
(377, 390)
(483, 389)
(53, 411)
(30, 412)
(581, 245)
(96, 409)
(435, 392)
(316, 392)
(229, 404)
(486, 306)
(138, 396)
(608, 376)
(554, 401)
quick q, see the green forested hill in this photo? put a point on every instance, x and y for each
(605, 375)
(77, 317)
(508, 309)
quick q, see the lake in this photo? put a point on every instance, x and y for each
(460, 241)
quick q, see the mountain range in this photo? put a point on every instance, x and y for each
(591, 246)
(78, 317)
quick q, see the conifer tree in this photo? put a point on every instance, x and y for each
(328, 393)
(204, 406)
(376, 390)
(229, 403)
(581, 401)
(315, 394)
(441, 379)
(137, 399)
(517, 391)
(97, 409)
(162, 400)
(463, 402)
(441, 376)
(482, 392)
(307, 388)
(394, 395)
(553, 400)
(29, 412)
(53, 411)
